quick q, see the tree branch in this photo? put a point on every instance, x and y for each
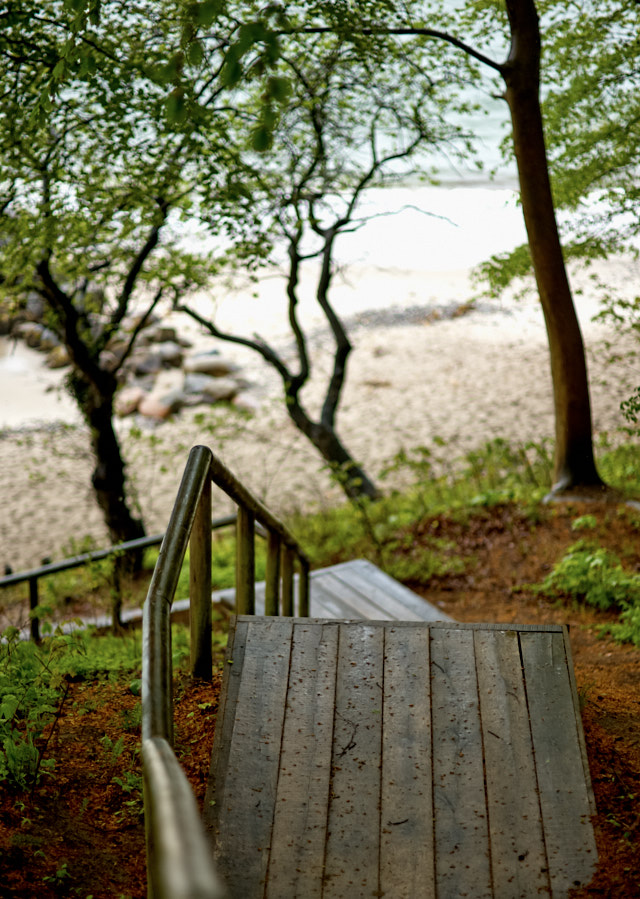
(257, 344)
(412, 31)
(71, 323)
(150, 245)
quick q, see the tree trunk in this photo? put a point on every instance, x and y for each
(108, 479)
(574, 460)
(351, 477)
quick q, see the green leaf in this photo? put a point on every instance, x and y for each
(176, 107)
(232, 70)
(59, 70)
(205, 13)
(261, 138)
(279, 88)
(195, 53)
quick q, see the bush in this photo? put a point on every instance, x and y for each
(595, 576)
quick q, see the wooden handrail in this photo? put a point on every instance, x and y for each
(180, 865)
(33, 575)
(166, 809)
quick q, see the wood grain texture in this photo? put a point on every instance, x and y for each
(462, 839)
(296, 864)
(402, 759)
(353, 827)
(246, 797)
(406, 820)
(356, 589)
(518, 857)
(564, 796)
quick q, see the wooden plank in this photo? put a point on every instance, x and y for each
(245, 562)
(298, 784)
(354, 581)
(364, 599)
(518, 857)
(247, 795)
(461, 831)
(286, 568)
(564, 797)
(272, 575)
(406, 823)
(299, 832)
(393, 598)
(325, 601)
(234, 657)
(351, 866)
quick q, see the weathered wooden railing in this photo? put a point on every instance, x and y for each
(33, 575)
(179, 864)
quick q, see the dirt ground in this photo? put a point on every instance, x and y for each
(80, 833)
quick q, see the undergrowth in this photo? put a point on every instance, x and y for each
(591, 574)
(34, 682)
(388, 531)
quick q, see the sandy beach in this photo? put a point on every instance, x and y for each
(414, 374)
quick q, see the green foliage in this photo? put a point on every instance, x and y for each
(593, 575)
(620, 466)
(32, 689)
(34, 683)
(584, 523)
(223, 563)
(433, 481)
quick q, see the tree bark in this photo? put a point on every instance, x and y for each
(574, 460)
(351, 477)
(108, 478)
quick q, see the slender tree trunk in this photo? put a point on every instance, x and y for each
(574, 460)
(108, 479)
(352, 478)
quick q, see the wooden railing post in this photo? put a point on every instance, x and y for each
(303, 589)
(245, 563)
(287, 581)
(272, 578)
(200, 588)
(33, 605)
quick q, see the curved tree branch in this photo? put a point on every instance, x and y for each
(257, 344)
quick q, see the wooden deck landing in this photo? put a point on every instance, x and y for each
(356, 589)
(399, 759)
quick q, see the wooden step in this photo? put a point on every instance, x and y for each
(399, 759)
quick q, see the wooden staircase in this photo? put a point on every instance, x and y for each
(397, 755)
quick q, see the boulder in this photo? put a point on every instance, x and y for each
(161, 334)
(160, 406)
(58, 357)
(127, 400)
(108, 360)
(35, 307)
(212, 390)
(146, 364)
(48, 340)
(30, 332)
(210, 364)
(170, 352)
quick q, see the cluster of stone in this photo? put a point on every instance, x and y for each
(161, 376)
